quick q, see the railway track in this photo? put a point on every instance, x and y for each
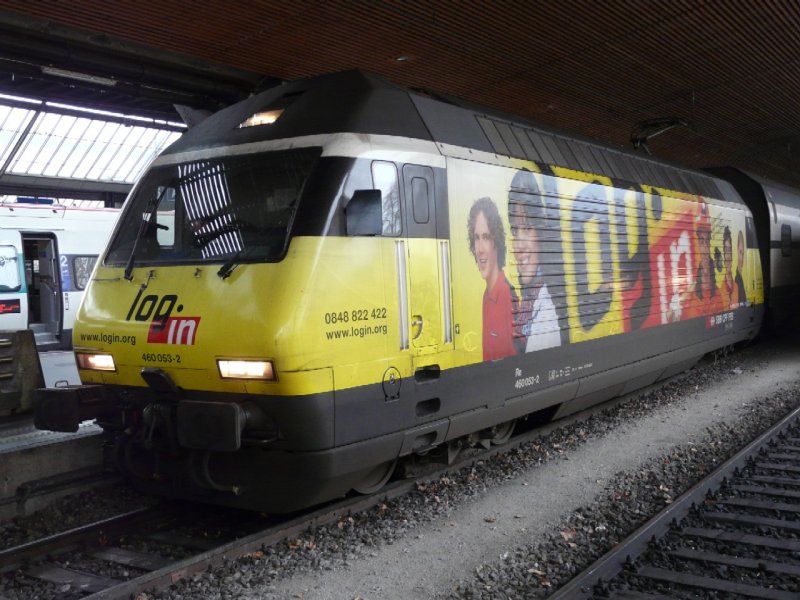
(134, 571)
(736, 534)
(91, 562)
(97, 558)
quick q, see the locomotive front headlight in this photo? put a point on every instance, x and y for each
(95, 362)
(265, 117)
(246, 369)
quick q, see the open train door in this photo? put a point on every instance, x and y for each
(42, 275)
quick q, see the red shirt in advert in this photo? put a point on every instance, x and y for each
(498, 321)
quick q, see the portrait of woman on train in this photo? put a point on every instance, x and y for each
(535, 320)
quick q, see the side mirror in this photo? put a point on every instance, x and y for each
(363, 213)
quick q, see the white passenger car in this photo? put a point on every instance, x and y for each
(47, 253)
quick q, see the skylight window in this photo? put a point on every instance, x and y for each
(55, 140)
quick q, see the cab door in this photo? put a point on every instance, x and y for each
(424, 288)
(42, 272)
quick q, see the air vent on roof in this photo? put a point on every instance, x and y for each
(510, 139)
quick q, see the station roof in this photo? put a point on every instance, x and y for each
(697, 82)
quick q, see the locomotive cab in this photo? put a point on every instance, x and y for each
(240, 284)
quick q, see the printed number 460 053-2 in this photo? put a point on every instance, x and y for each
(161, 358)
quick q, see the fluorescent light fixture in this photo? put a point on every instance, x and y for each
(95, 362)
(267, 117)
(97, 79)
(246, 369)
(20, 99)
(107, 113)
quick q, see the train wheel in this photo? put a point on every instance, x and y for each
(376, 478)
(501, 432)
(132, 460)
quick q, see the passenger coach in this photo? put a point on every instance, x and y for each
(339, 273)
(47, 253)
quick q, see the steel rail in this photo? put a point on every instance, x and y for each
(331, 513)
(14, 555)
(582, 586)
(165, 576)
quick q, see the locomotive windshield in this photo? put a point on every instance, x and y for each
(227, 208)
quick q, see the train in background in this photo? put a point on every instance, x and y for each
(47, 253)
(341, 273)
(776, 212)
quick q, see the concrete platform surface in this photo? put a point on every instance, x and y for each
(38, 466)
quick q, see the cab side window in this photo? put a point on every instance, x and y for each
(419, 195)
(786, 240)
(384, 178)
(81, 270)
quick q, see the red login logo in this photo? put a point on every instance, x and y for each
(174, 330)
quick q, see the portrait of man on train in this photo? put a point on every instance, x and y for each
(487, 242)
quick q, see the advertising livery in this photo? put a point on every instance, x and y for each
(567, 257)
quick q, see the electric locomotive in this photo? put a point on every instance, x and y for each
(340, 272)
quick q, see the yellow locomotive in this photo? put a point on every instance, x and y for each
(339, 273)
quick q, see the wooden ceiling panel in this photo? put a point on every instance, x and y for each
(732, 68)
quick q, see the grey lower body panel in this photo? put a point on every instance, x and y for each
(325, 444)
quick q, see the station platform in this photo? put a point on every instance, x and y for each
(37, 467)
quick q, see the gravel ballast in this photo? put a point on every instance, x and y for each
(521, 524)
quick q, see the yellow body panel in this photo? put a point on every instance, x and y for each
(424, 292)
(298, 312)
(329, 303)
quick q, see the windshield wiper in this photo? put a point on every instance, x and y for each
(201, 240)
(150, 210)
(229, 265)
